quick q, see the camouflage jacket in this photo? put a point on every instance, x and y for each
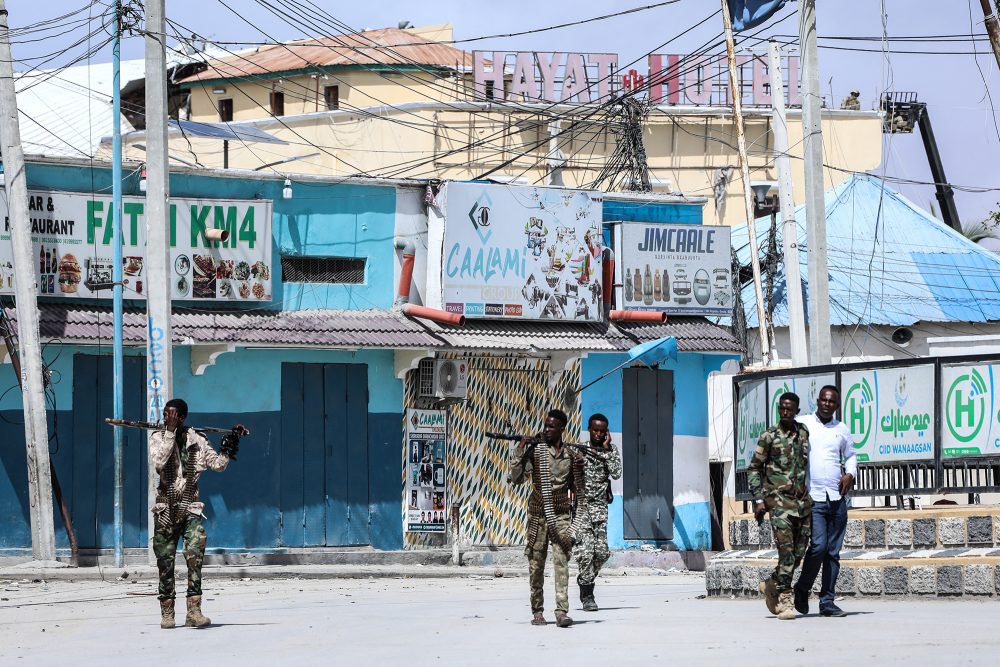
(599, 466)
(562, 470)
(779, 468)
(179, 471)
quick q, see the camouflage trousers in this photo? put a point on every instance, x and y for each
(791, 537)
(190, 527)
(537, 550)
(591, 551)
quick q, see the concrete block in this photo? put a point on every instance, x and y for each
(766, 535)
(996, 579)
(753, 534)
(853, 535)
(996, 531)
(924, 532)
(978, 579)
(846, 581)
(923, 580)
(734, 534)
(726, 578)
(744, 532)
(895, 580)
(981, 530)
(869, 580)
(748, 576)
(874, 533)
(900, 533)
(951, 530)
(949, 580)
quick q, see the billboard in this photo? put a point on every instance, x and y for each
(426, 435)
(682, 269)
(890, 412)
(515, 252)
(806, 387)
(751, 419)
(72, 252)
(970, 424)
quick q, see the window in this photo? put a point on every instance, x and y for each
(277, 103)
(332, 96)
(331, 270)
(225, 110)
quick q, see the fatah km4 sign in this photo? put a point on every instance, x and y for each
(72, 235)
(537, 76)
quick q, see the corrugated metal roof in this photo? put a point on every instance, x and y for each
(890, 263)
(386, 46)
(375, 329)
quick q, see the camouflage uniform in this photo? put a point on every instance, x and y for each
(591, 550)
(777, 474)
(566, 475)
(178, 509)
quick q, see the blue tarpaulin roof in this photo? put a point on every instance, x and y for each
(889, 262)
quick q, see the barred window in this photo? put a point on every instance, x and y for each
(333, 270)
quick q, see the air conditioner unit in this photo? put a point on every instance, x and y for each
(443, 378)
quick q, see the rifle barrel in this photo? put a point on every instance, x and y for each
(151, 426)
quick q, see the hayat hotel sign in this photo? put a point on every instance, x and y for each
(72, 251)
(536, 76)
(516, 253)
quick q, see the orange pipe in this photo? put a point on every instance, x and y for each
(434, 315)
(406, 270)
(609, 279)
(638, 316)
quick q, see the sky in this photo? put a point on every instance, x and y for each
(957, 86)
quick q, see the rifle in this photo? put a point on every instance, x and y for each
(151, 426)
(532, 441)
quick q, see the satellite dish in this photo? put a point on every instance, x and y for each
(902, 336)
(448, 376)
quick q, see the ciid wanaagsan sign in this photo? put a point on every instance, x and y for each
(666, 79)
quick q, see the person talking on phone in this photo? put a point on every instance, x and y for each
(602, 464)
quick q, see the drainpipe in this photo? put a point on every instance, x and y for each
(406, 272)
(433, 314)
(649, 316)
(608, 269)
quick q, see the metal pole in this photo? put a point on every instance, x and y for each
(159, 351)
(992, 28)
(118, 350)
(789, 228)
(737, 93)
(812, 133)
(36, 428)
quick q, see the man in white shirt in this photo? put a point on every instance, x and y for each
(832, 471)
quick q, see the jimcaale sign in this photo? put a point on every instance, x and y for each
(703, 80)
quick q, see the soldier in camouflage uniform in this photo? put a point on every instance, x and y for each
(555, 472)
(180, 455)
(601, 464)
(777, 481)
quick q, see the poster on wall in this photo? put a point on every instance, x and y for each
(519, 252)
(806, 387)
(970, 424)
(426, 435)
(682, 269)
(72, 252)
(890, 412)
(751, 419)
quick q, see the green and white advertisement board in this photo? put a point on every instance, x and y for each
(890, 412)
(970, 424)
(806, 387)
(751, 419)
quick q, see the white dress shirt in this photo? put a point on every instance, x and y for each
(831, 455)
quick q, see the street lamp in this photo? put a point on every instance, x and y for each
(767, 202)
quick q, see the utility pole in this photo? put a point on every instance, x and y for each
(159, 350)
(992, 28)
(812, 134)
(737, 93)
(36, 428)
(118, 352)
(789, 228)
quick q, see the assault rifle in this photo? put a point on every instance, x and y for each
(158, 426)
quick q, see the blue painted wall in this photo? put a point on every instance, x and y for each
(321, 220)
(652, 212)
(692, 518)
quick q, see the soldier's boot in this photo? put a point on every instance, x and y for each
(562, 620)
(786, 606)
(195, 619)
(587, 597)
(770, 592)
(167, 620)
(539, 619)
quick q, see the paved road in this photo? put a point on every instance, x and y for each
(481, 621)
